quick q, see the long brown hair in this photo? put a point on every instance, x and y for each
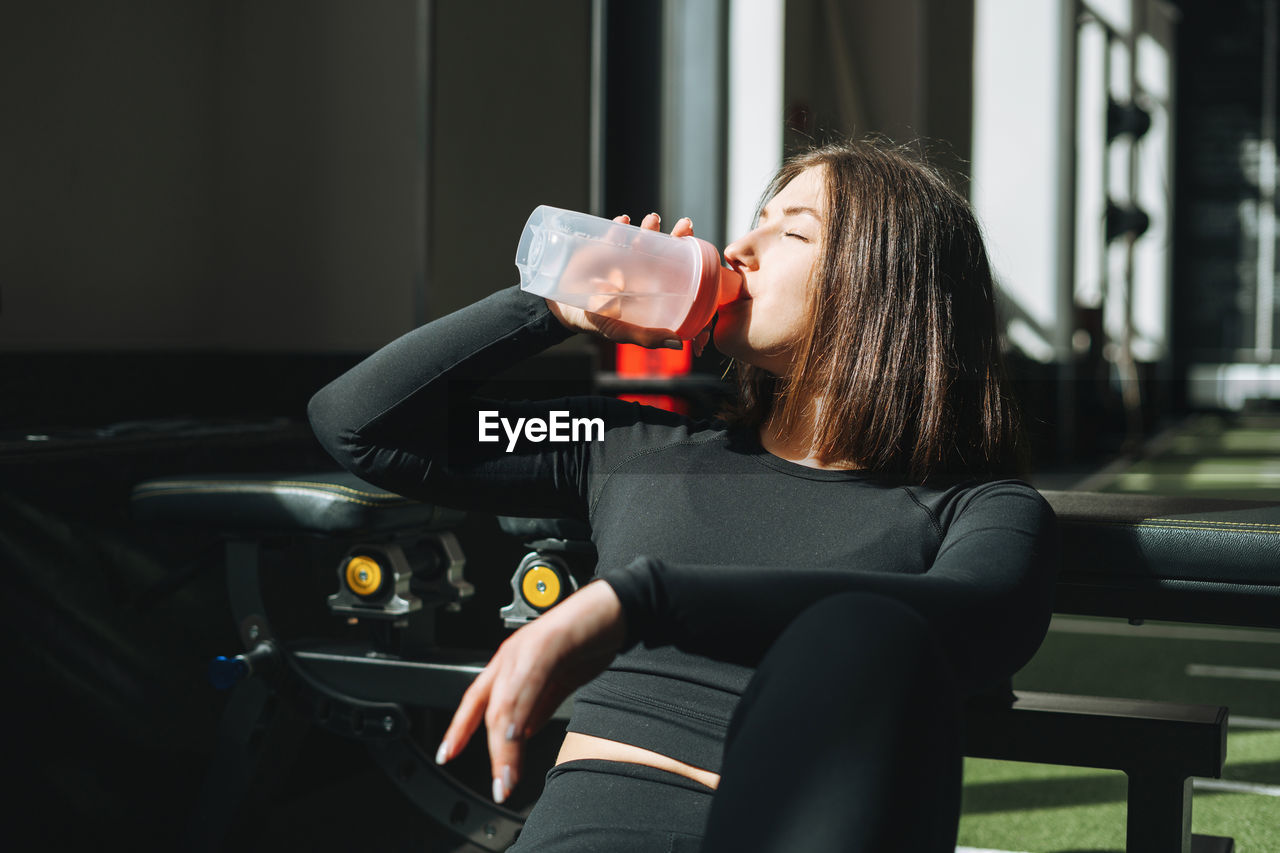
(903, 349)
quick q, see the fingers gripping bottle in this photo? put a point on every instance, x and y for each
(642, 277)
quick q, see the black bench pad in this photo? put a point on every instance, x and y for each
(331, 503)
(1133, 556)
(1136, 556)
(1177, 558)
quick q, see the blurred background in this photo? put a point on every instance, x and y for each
(207, 203)
(208, 208)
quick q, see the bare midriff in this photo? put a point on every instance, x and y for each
(577, 745)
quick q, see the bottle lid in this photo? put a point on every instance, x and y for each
(717, 286)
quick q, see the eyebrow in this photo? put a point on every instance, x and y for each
(795, 210)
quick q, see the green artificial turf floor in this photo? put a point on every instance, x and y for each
(1051, 809)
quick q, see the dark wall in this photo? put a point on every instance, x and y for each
(213, 207)
(107, 224)
(509, 131)
(210, 175)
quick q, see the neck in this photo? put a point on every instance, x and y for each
(797, 444)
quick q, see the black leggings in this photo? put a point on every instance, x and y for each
(846, 739)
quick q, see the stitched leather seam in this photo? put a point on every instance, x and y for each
(1155, 524)
(241, 485)
(308, 493)
(1243, 524)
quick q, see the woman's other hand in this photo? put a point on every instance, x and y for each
(578, 319)
(531, 673)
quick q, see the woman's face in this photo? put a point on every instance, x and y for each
(777, 260)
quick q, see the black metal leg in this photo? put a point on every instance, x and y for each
(226, 786)
(258, 743)
(245, 594)
(1212, 844)
(1159, 812)
(257, 738)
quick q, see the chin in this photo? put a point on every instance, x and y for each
(728, 343)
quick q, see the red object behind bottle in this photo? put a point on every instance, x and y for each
(638, 361)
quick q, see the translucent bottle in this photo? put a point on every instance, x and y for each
(642, 277)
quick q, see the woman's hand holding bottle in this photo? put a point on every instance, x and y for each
(578, 319)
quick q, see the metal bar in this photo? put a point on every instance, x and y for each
(427, 683)
(1193, 601)
(596, 153)
(1264, 322)
(693, 110)
(1130, 390)
(1104, 261)
(1066, 238)
(1136, 736)
(245, 594)
(1170, 16)
(426, 126)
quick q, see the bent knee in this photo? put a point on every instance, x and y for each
(858, 614)
(866, 637)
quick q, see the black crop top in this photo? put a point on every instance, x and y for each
(712, 543)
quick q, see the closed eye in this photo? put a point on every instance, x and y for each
(794, 234)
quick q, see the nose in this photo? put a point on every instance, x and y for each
(741, 252)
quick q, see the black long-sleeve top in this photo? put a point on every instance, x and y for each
(712, 543)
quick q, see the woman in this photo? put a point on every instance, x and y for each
(792, 601)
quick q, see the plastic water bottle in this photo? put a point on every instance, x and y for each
(642, 277)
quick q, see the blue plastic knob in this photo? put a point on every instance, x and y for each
(224, 672)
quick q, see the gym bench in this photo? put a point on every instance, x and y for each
(1136, 557)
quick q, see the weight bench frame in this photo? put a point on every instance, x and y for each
(1136, 557)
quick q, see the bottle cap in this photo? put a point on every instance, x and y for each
(717, 286)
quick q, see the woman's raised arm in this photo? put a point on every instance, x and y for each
(406, 417)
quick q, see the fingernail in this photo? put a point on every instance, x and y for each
(508, 782)
(511, 731)
(673, 343)
(442, 754)
(686, 219)
(657, 217)
(498, 793)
